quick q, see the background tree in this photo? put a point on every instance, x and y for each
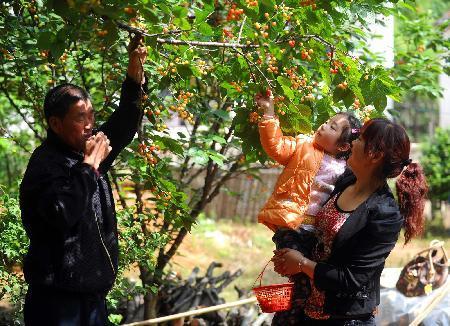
(436, 163)
(422, 53)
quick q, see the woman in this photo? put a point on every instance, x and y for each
(357, 229)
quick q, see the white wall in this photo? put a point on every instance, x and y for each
(383, 45)
(444, 102)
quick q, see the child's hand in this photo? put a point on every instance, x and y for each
(266, 103)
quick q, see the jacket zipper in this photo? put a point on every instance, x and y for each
(103, 243)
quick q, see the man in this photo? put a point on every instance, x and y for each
(67, 204)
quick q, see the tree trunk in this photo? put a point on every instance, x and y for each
(150, 302)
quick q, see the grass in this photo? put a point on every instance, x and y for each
(249, 247)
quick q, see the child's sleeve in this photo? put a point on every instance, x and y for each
(278, 147)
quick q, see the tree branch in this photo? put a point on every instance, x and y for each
(80, 67)
(16, 107)
(191, 142)
(249, 64)
(196, 174)
(118, 188)
(240, 31)
(216, 44)
(8, 135)
(164, 258)
(221, 182)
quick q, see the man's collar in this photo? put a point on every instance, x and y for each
(54, 140)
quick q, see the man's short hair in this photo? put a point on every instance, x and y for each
(59, 99)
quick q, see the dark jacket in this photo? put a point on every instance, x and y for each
(68, 210)
(351, 275)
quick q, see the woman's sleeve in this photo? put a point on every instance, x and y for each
(278, 147)
(364, 259)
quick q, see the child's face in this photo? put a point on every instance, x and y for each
(329, 132)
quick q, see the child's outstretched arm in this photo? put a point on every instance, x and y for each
(278, 147)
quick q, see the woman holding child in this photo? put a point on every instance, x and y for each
(356, 229)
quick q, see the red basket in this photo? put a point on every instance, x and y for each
(275, 297)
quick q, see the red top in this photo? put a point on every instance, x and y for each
(329, 220)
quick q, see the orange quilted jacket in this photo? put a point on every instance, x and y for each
(290, 198)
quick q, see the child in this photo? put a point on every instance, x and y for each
(311, 170)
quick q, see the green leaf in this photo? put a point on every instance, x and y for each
(268, 3)
(218, 139)
(198, 155)
(170, 144)
(205, 29)
(57, 49)
(222, 114)
(201, 15)
(325, 74)
(149, 14)
(285, 84)
(45, 40)
(217, 158)
(180, 12)
(182, 23)
(184, 71)
(303, 109)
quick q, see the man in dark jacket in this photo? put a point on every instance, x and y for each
(67, 204)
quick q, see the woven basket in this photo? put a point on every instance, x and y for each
(275, 297)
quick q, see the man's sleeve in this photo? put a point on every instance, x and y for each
(364, 259)
(122, 125)
(63, 196)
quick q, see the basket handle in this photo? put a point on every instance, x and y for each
(435, 244)
(261, 275)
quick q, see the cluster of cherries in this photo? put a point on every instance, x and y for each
(149, 153)
(234, 13)
(183, 99)
(306, 3)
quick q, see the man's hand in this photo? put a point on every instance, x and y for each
(265, 102)
(137, 53)
(97, 149)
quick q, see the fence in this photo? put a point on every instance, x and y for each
(243, 197)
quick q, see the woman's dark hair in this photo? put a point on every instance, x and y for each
(59, 99)
(349, 133)
(383, 136)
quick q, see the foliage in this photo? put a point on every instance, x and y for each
(207, 60)
(436, 163)
(422, 54)
(13, 246)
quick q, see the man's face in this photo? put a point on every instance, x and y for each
(76, 127)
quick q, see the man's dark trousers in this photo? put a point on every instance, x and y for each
(49, 307)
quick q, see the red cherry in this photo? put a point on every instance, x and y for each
(291, 43)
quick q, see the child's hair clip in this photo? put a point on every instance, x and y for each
(355, 131)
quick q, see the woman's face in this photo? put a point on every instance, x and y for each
(358, 157)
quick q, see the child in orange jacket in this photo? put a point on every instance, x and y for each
(311, 168)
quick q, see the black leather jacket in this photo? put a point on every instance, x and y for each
(68, 210)
(351, 275)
